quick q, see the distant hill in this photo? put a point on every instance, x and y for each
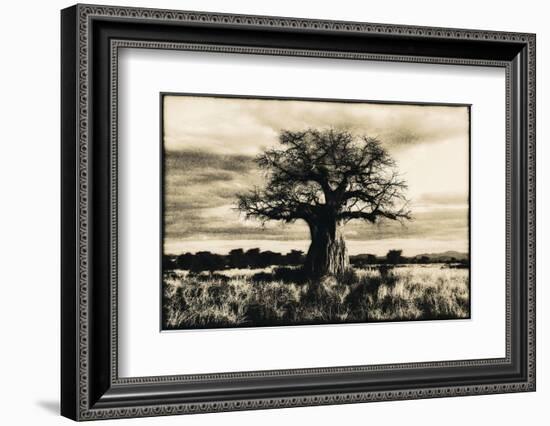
(446, 256)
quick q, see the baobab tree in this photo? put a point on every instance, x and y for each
(326, 178)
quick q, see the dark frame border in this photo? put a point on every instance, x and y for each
(91, 388)
(162, 177)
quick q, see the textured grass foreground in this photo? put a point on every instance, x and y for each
(279, 296)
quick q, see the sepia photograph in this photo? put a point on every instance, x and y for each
(289, 211)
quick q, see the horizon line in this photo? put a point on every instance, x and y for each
(409, 247)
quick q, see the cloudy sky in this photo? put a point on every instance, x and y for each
(210, 144)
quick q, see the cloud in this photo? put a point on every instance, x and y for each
(249, 125)
(441, 198)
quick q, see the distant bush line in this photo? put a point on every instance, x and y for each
(256, 259)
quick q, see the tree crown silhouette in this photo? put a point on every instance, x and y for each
(353, 177)
(326, 178)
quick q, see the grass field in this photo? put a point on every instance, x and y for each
(280, 296)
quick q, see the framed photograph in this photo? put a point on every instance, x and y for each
(357, 244)
(263, 212)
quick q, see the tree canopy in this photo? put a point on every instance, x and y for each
(327, 173)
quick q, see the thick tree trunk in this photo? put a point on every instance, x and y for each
(327, 254)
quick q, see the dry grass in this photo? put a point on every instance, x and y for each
(280, 296)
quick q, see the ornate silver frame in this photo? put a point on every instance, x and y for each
(91, 388)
